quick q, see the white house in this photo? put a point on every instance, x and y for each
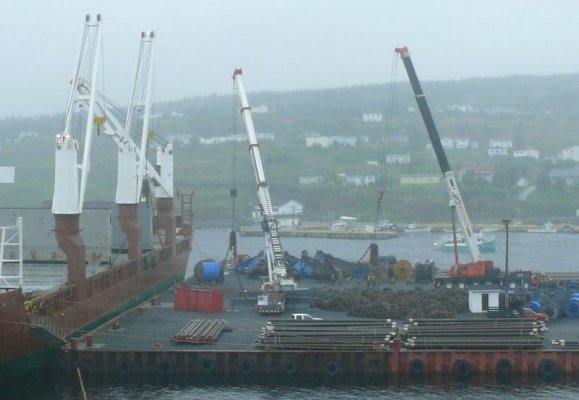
(419, 179)
(447, 143)
(223, 139)
(182, 138)
(503, 143)
(398, 159)
(479, 300)
(286, 214)
(359, 180)
(310, 180)
(526, 153)
(461, 143)
(327, 141)
(260, 109)
(498, 151)
(372, 117)
(292, 207)
(572, 153)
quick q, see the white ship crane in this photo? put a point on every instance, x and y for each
(277, 278)
(69, 191)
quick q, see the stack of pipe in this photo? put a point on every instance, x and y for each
(200, 331)
(473, 333)
(327, 335)
(568, 344)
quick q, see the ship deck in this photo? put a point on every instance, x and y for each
(155, 323)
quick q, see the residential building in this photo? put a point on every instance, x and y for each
(572, 153)
(419, 179)
(286, 215)
(526, 153)
(570, 176)
(372, 117)
(398, 159)
(310, 180)
(498, 151)
(359, 180)
(328, 141)
(502, 143)
(482, 171)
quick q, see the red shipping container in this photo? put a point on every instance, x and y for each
(198, 299)
(181, 297)
(210, 300)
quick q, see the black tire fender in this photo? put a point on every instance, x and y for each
(332, 368)
(417, 367)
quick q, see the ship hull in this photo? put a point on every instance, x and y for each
(26, 346)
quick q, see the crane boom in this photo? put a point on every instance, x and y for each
(277, 273)
(69, 193)
(454, 193)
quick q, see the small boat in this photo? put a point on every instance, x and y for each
(412, 228)
(547, 228)
(489, 229)
(485, 243)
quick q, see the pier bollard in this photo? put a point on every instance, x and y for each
(89, 340)
(74, 344)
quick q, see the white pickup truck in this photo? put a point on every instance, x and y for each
(304, 317)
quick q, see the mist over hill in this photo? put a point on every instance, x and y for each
(538, 112)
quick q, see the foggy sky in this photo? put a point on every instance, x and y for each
(280, 44)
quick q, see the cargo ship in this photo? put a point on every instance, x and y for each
(33, 327)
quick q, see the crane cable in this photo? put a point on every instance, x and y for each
(385, 142)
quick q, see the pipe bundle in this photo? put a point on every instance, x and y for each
(200, 331)
(473, 333)
(327, 335)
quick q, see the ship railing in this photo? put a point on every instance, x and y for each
(111, 277)
(46, 323)
(55, 302)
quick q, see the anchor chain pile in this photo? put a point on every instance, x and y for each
(399, 304)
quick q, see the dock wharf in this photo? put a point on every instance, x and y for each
(139, 342)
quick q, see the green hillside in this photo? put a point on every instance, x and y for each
(540, 112)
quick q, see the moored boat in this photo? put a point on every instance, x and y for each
(413, 228)
(485, 243)
(547, 228)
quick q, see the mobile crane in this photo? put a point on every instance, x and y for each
(478, 270)
(272, 300)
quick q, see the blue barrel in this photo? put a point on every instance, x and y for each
(571, 306)
(208, 271)
(536, 305)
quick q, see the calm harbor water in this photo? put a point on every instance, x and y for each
(545, 252)
(542, 252)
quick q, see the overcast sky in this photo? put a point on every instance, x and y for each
(280, 44)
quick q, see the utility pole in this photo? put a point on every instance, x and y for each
(506, 223)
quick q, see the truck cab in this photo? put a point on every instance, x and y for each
(304, 317)
(528, 312)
